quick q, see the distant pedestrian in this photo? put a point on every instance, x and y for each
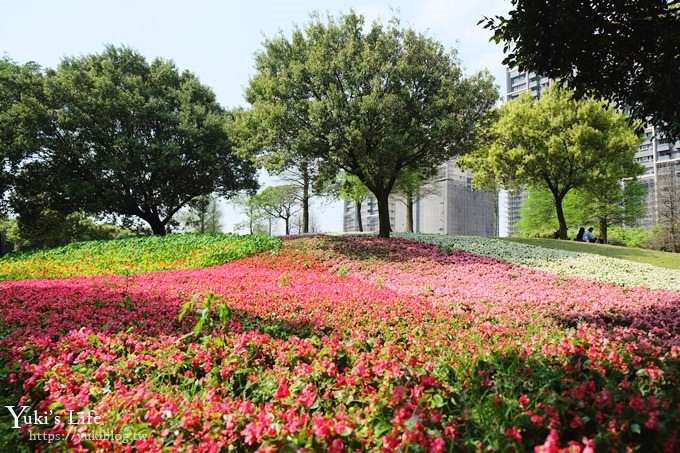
(588, 236)
(579, 235)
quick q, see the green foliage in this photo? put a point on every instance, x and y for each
(134, 255)
(370, 100)
(631, 237)
(537, 215)
(18, 87)
(624, 204)
(557, 143)
(351, 188)
(614, 50)
(210, 312)
(203, 215)
(123, 136)
(52, 229)
(257, 220)
(280, 202)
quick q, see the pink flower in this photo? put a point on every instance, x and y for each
(308, 395)
(282, 390)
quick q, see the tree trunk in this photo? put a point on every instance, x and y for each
(560, 217)
(383, 214)
(357, 216)
(157, 227)
(603, 230)
(287, 220)
(305, 200)
(409, 214)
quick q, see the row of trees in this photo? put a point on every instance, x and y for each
(113, 135)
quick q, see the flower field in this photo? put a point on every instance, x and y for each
(129, 256)
(341, 343)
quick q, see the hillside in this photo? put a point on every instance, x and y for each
(343, 343)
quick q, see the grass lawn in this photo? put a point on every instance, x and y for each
(653, 257)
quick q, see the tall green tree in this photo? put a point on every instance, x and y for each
(257, 221)
(622, 50)
(287, 157)
(280, 202)
(352, 189)
(20, 87)
(558, 143)
(127, 137)
(371, 100)
(411, 186)
(613, 204)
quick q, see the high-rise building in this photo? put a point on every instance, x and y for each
(449, 206)
(661, 161)
(660, 158)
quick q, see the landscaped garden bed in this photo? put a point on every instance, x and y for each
(342, 343)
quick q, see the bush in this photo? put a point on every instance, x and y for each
(664, 239)
(630, 237)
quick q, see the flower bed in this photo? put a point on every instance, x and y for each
(343, 344)
(589, 266)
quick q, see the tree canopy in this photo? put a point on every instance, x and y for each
(280, 202)
(371, 100)
(18, 84)
(119, 135)
(557, 143)
(627, 51)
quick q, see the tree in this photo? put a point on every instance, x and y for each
(287, 157)
(130, 138)
(411, 186)
(352, 189)
(203, 215)
(19, 85)
(280, 202)
(555, 142)
(617, 204)
(372, 101)
(625, 51)
(537, 214)
(613, 204)
(668, 206)
(257, 221)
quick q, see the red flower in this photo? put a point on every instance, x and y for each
(514, 434)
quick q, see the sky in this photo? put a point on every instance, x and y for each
(217, 39)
